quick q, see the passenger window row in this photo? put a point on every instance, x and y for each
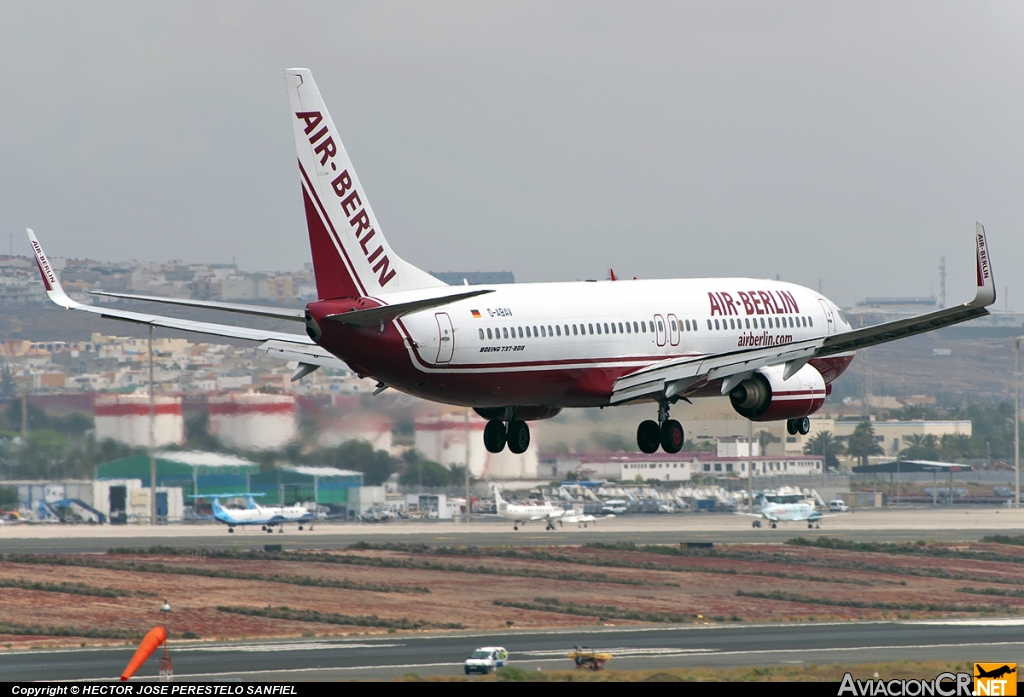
(773, 322)
(590, 328)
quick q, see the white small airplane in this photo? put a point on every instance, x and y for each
(254, 514)
(520, 514)
(787, 513)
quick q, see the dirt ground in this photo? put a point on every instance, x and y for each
(814, 582)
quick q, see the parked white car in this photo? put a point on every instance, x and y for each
(485, 659)
(838, 506)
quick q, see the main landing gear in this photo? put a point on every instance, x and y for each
(510, 431)
(666, 433)
(801, 426)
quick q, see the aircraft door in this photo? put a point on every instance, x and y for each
(673, 330)
(829, 319)
(446, 337)
(659, 329)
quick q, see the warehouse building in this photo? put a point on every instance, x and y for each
(196, 473)
(321, 486)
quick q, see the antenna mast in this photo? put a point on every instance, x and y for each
(942, 282)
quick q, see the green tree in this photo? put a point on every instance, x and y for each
(953, 447)
(8, 497)
(36, 416)
(825, 444)
(420, 470)
(7, 386)
(862, 443)
(358, 455)
(766, 438)
(922, 447)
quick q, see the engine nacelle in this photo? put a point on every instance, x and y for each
(765, 396)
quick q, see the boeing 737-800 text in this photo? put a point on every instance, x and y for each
(522, 352)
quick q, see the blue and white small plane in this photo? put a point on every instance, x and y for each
(267, 517)
(775, 513)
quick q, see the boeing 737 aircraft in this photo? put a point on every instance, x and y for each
(523, 352)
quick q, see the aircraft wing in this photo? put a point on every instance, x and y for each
(752, 515)
(258, 310)
(675, 376)
(56, 293)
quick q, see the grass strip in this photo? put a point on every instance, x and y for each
(1016, 540)
(1001, 592)
(158, 568)
(354, 560)
(795, 560)
(18, 629)
(874, 605)
(541, 555)
(73, 588)
(918, 549)
(598, 611)
(287, 613)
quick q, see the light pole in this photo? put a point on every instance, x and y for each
(152, 435)
(1016, 418)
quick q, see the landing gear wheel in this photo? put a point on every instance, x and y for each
(803, 426)
(515, 527)
(494, 436)
(810, 526)
(300, 527)
(518, 436)
(672, 436)
(269, 529)
(791, 427)
(774, 525)
(648, 436)
(231, 529)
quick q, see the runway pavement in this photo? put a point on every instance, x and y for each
(907, 525)
(635, 648)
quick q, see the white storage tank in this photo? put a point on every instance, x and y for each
(373, 428)
(442, 438)
(125, 418)
(253, 421)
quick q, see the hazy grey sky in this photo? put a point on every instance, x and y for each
(852, 142)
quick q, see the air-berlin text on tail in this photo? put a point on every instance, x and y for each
(983, 269)
(351, 204)
(754, 302)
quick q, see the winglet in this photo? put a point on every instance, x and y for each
(54, 290)
(986, 294)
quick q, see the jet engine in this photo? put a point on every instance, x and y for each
(765, 396)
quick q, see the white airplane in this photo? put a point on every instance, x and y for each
(775, 513)
(520, 514)
(523, 352)
(267, 517)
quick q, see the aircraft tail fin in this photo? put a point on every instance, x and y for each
(351, 258)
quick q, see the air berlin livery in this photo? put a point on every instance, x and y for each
(522, 352)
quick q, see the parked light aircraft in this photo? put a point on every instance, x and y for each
(520, 514)
(254, 514)
(788, 512)
(523, 352)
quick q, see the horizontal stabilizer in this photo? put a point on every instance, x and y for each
(375, 315)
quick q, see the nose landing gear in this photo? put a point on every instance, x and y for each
(667, 433)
